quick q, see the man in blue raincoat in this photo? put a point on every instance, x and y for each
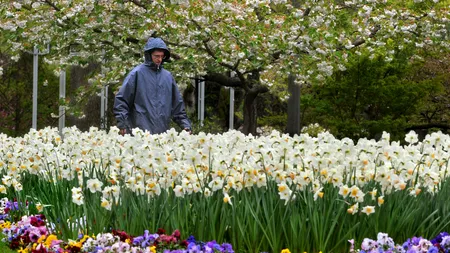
(149, 97)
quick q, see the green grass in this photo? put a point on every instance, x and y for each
(4, 247)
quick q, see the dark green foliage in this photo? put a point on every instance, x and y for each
(16, 94)
(272, 111)
(370, 97)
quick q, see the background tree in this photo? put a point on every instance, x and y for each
(435, 106)
(252, 38)
(16, 95)
(370, 97)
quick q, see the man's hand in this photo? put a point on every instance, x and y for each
(188, 130)
(122, 132)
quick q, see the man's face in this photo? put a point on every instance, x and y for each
(158, 57)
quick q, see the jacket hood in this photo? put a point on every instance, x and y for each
(151, 45)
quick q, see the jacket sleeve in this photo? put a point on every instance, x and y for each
(178, 109)
(124, 100)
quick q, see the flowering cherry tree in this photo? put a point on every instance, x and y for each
(262, 41)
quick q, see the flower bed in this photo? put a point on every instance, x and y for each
(384, 243)
(31, 234)
(34, 234)
(258, 193)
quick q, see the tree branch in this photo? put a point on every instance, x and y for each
(209, 50)
(359, 41)
(52, 5)
(223, 80)
(428, 126)
(259, 89)
(138, 4)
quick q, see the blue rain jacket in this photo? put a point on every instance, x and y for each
(149, 97)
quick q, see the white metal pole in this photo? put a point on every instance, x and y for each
(105, 121)
(199, 99)
(202, 105)
(35, 87)
(102, 108)
(231, 119)
(231, 109)
(102, 98)
(62, 96)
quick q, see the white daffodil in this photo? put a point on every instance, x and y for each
(227, 199)
(318, 194)
(39, 207)
(356, 193)
(216, 184)
(196, 187)
(368, 210)
(261, 181)
(285, 193)
(139, 189)
(17, 185)
(179, 191)
(411, 137)
(380, 200)
(2, 189)
(7, 181)
(207, 192)
(373, 193)
(77, 196)
(94, 185)
(344, 191)
(152, 188)
(353, 209)
(105, 203)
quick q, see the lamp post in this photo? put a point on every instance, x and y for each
(103, 100)
(231, 112)
(201, 101)
(36, 54)
(103, 107)
(62, 96)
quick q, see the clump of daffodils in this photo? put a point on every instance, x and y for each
(226, 163)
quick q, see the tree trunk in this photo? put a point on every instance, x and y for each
(251, 87)
(250, 117)
(250, 111)
(293, 111)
